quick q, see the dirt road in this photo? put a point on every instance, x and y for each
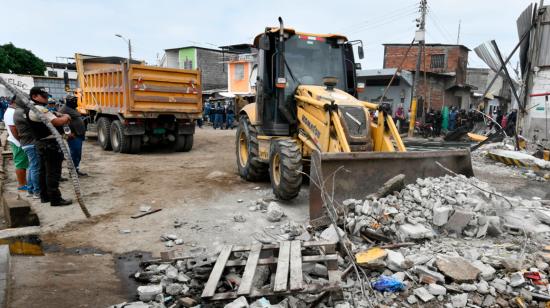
(87, 261)
(200, 188)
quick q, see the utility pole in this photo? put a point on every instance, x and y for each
(458, 35)
(420, 38)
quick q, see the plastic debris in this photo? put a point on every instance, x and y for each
(388, 284)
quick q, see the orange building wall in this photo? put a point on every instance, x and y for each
(239, 86)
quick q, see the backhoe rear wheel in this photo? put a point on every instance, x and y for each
(285, 168)
(248, 160)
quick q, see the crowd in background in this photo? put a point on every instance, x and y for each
(221, 114)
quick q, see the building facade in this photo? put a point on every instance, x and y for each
(442, 80)
(376, 81)
(211, 62)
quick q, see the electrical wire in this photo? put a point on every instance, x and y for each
(380, 17)
(383, 23)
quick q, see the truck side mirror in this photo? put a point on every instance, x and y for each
(264, 42)
(360, 52)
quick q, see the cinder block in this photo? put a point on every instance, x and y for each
(18, 212)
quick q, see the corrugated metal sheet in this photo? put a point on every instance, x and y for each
(544, 38)
(523, 23)
(487, 53)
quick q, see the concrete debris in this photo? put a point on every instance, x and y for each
(331, 234)
(457, 268)
(460, 300)
(274, 212)
(436, 289)
(448, 243)
(148, 293)
(423, 294)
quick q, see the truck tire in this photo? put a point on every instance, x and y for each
(183, 143)
(135, 147)
(251, 168)
(188, 143)
(121, 143)
(104, 133)
(285, 168)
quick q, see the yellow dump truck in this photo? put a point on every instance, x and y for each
(134, 105)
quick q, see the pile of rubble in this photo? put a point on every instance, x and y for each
(448, 241)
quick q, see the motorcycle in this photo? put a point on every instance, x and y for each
(426, 130)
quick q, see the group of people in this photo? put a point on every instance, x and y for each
(37, 156)
(221, 115)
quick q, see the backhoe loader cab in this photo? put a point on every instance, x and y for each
(306, 113)
(300, 59)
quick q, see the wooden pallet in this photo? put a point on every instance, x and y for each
(288, 259)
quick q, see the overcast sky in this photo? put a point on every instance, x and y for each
(59, 28)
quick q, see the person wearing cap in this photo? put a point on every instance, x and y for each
(78, 131)
(19, 157)
(51, 156)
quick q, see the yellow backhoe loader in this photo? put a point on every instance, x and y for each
(307, 116)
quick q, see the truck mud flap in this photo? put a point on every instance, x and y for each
(358, 174)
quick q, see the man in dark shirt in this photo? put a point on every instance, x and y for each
(51, 156)
(78, 131)
(27, 140)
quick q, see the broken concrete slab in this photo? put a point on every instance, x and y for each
(459, 220)
(148, 293)
(436, 289)
(487, 271)
(424, 271)
(414, 232)
(459, 300)
(423, 294)
(274, 212)
(457, 268)
(331, 234)
(441, 215)
(240, 302)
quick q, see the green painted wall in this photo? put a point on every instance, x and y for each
(187, 58)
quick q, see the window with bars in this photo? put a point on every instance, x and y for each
(239, 72)
(438, 61)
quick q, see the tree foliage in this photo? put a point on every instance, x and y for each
(20, 61)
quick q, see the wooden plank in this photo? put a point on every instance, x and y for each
(281, 277)
(15, 232)
(296, 279)
(269, 261)
(239, 248)
(250, 270)
(217, 271)
(255, 293)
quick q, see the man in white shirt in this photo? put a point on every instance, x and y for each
(19, 156)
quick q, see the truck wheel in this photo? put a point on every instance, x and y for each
(188, 143)
(135, 147)
(120, 142)
(180, 145)
(104, 133)
(285, 167)
(251, 168)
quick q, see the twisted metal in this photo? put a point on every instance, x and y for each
(23, 97)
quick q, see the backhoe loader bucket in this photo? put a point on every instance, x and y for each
(355, 175)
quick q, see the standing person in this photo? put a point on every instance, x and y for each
(212, 112)
(230, 116)
(51, 156)
(27, 140)
(438, 120)
(400, 117)
(20, 159)
(218, 116)
(78, 131)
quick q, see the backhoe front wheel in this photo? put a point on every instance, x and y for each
(248, 161)
(285, 168)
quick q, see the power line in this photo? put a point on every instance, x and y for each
(383, 23)
(381, 17)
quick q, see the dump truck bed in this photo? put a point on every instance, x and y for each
(143, 91)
